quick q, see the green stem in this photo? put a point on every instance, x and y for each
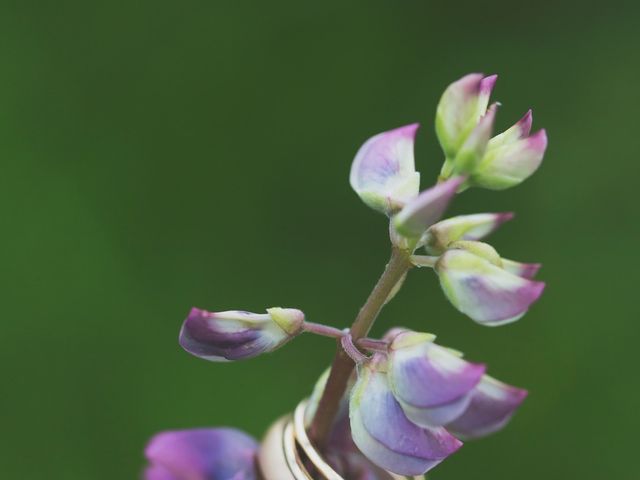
(343, 366)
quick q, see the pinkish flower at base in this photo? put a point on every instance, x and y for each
(201, 454)
(493, 403)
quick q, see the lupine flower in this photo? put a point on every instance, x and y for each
(382, 431)
(493, 403)
(464, 127)
(341, 452)
(476, 282)
(383, 175)
(461, 107)
(387, 403)
(463, 227)
(432, 383)
(511, 157)
(201, 454)
(236, 335)
(474, 147)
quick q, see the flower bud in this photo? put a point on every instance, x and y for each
(462, 105)
(236, 335)
(475, 281)
(492, 405)
(474, 147)
(426, 209)
(432, 383)
(510, 157)
(383, 173)
(201, 454)
(385, 435)
(463, 227)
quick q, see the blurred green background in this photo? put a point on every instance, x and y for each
(160, 155)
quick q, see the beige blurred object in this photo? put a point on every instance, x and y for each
(286, 449)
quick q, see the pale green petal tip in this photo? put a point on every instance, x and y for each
(480, 249)
(410, 339)
(288, 319)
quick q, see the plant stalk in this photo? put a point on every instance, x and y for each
(343, 365)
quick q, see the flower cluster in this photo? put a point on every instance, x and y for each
(410, 401)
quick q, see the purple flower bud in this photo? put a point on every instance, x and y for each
(462, 105)
(385, 435)
(511, 157)
(493, 403)
(476, 283)
(464, 227)
(383, 173)
(201, 454)
(432, 383)
(236, 335)
(426, 209)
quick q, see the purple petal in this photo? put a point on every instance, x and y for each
(158, 472)
(463, 227)
(342, 454)
(486, 87)
(524, 124)
(201, 454)
(384, 434)
(436, 416)
(236, 335)
(484, 291)
(383, 172)
(431, 382)
(426, 209)
(493, 403)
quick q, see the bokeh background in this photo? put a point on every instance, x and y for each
(159, 155)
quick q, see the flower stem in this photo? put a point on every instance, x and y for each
(373, 345)
(343, 366)
(323, 330)
(424, 261)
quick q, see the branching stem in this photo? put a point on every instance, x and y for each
(373, 344)
(343, 365)
(323, 330)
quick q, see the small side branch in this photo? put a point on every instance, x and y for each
(323, 330)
